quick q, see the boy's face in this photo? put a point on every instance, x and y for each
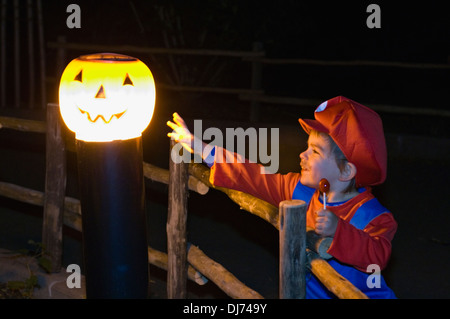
(318, 162)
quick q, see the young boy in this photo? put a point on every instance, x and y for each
(346, 146)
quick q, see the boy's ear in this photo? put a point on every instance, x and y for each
(348, 173)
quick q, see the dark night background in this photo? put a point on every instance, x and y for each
(418, 145)
(334, 31)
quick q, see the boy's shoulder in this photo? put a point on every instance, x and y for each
(367, 211)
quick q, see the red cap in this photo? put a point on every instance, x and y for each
(358, 131)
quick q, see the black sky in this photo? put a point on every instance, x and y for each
(410, 31)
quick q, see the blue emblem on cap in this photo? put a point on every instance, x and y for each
(322, 107)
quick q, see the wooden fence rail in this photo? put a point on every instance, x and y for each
(152, 50)
(351, 63)
(220, 276)
(199, 176)
(23, 125)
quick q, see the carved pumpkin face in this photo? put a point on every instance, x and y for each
(107, 96)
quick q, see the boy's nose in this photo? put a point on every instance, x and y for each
(302, 156)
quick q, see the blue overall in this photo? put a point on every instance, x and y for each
(367, 212)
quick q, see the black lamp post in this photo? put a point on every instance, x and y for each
(108, 100)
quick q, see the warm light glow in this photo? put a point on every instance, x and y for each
(106, 96)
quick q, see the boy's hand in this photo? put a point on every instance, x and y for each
(181, 132)
(326, 223)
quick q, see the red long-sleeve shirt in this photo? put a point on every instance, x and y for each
(352, 246)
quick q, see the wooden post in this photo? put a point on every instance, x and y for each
(3, 55)
(31, 79)
(41, 54)
(176, 229)
(17, 89)
(292, 249)
(61, 57)
(256, 83)
(55, 188)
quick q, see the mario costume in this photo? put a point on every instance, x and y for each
(365, 228)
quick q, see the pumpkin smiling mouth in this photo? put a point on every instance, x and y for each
(100, 116)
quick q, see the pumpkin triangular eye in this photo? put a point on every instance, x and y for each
(127, 80)
(79, 77)
(100, 93)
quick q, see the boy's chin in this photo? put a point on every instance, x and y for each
(307, 182)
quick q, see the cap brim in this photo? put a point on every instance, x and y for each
(309, 125)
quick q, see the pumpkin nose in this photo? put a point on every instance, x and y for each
(101, 93)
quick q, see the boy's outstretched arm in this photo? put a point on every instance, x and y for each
(236, 174)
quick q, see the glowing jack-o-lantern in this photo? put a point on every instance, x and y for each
(106, 97)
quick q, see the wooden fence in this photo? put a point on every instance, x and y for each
(253, 93)
(59, 209)
(27, 58)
